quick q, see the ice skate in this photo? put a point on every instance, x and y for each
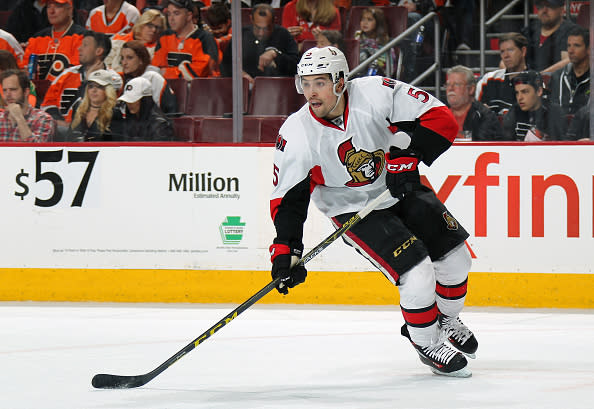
(458, 335)
(442, 359)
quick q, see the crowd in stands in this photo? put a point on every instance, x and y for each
(116, 70)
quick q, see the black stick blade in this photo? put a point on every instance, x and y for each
(106, 381)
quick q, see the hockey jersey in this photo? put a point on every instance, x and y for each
(10, 44)
(64, 91)
(341, 163)
(122, 22)
(496, 91)
(190, 57)
(55, 53)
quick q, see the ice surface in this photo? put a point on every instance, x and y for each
(286, 357)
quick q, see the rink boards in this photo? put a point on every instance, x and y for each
(187, 223)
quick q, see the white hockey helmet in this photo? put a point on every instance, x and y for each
(325, 60)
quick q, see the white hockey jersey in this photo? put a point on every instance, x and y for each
(345, 163)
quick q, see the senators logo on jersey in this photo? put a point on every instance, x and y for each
(450, 221)
(364, 167)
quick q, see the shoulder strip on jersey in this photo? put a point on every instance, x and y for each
(433, 133)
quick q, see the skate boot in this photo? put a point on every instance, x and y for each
(441, 359)
(458, 334)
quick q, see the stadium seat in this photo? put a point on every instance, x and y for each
(396, 17)
(351, 50)
(180, 87)
(213, 96)
(275, 96)
(220, 130)
(269, 126)
(41, 87)
(183, 128)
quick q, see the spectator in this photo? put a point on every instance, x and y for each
(135, 63)
(27, 18)
(9, 43)
(146, 30)
(186, 50)
(114, 17)
(372, 36)
(532, 117)
(547, 37)
(267, 49)
(579, 129)
(141, 119)
(56, 46)
(495, 89)
(70, 85)
(331, 37)
(304, 18)
(19, 121)
(570, 86)
(8, 62)
(218, 19)
(475, 121)
(93, 114)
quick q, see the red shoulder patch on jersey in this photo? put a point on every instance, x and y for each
(388, 82)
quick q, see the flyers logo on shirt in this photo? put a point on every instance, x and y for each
(363, 167)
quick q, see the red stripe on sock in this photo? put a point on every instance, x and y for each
(422, 317)
(452, 291)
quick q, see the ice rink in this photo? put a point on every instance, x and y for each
(286, 357)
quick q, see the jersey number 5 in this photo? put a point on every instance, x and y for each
(418, 93)
(275, 175)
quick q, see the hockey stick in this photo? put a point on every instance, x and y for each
(106, 381)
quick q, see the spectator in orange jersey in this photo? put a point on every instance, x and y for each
(9, 43)
(20, 122)
(303, 18)
(55, 46)
(114, 17)
(146, 30)
(186, 50)
(135, 63)
(218, 20)
(69, 86)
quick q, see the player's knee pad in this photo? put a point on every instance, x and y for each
(453, 268)
(417, 286)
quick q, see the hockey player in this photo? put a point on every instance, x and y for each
(342, 149)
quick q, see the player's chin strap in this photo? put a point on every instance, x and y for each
(338, 94)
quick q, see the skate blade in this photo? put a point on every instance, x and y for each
(460, 373)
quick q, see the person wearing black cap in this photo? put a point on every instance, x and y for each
(533, 118)
(186, 50)
(547, 37)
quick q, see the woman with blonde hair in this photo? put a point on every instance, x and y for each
(92, 117)
(146, 30)
(304, 19)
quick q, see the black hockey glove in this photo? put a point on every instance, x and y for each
(402, 174)
(282, 266)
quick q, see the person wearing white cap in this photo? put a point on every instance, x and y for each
(93, 114)
(142, 119)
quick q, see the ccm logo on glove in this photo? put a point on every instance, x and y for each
(401, 164)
